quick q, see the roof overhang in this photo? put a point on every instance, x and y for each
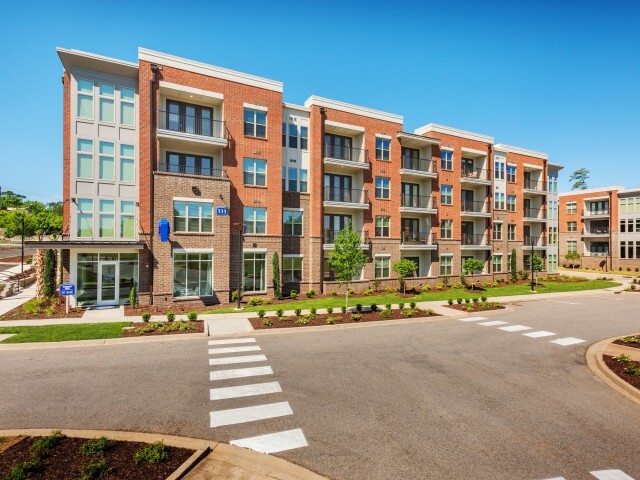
(520, 151)
(72, 59)
(416, 141)
(434, 127)
(355, 109)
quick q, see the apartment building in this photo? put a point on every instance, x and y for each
(184, 179)
(603, 226)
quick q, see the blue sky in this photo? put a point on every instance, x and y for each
(563, 79)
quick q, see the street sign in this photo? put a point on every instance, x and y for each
(67, 289)
(222, 211)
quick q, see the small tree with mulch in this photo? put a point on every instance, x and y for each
(573, 258)
(470, 266)
(404, 268)
(347, 258)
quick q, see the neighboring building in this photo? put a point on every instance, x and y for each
(603, 226)
(199, 148)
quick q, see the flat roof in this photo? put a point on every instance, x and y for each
(520, 151)
(591, 190)
(456, 132)
(355, 109)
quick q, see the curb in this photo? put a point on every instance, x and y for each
(106, 341)
(596, 363)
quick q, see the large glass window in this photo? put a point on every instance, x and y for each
(294, 179)
(190, 164)
(446, 160)
(499, 165)
(255, 123)
(498, 200)
(382, 225)
(106, 102)
(127, 163)
(382, 187)
(192, 217)
(255, 220)
(85, 217)
(382, 148)
(292, 222)
(106, 169)
(189, 118)
(382, 267)
(254, 272)
(85, 158)
(192, 274)
(85, 99)
(107, 219)
(497, 231)
(255, 172)
(127, 219)
(127, 106)
(291, 269)
(87, 279)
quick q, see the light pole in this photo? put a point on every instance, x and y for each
(22, 247)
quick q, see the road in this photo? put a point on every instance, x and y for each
(7, 251)
(443, 399)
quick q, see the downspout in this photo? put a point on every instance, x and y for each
(323, 117)
(610, 192)
(152, 159)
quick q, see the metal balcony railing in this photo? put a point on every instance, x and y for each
(330, 236)
(475, 173)
(192, 170)
(535, 185)
(596, 231)
(417, 201)
(471, 206)
(593, 213)
(418, 238)
(596, 254)
(342, 152)
(538, 241)
(347, 195)
(530, 212)
(177, 122)
(419, 164)
(474, 239)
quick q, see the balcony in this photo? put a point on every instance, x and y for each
(175, 126)
(417, 204)
(418, 241)
(475, 241)
(603, 213)
(192, 170)
(595, 232)
(595, 254)
(346, 157)
(470, 208)
(478, 176)
(538, 242)
(330, 236)
(418, 167)
(346, 198)
(534, 214)
(535, 187)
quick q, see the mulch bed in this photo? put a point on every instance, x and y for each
(287, 322)
(637, 290)
(476, 307)
(197, 327)
(619, 369)
(19, 313)
(66, 462)
(632, 345)
(15, 259)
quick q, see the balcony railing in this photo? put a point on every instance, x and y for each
(417, 201)
(593, 213)
(330, 236)
(535, 185)
(596, 231)
(530, 212)
(341, 152)
(419, 164)
(471, 206)
(192, 170)
(204, 127)
(475, 173)
(595, 254)
(474, 239)
(347, 195)
(540, 241)
(418, 238)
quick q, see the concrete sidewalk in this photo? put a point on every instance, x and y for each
(23, 296)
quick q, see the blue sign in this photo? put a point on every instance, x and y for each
(67, 289)
(164, 228)
(222, 211)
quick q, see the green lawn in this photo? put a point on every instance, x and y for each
(62, 333)
(433, 295)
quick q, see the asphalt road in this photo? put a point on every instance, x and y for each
(443, 399)
(7, 251)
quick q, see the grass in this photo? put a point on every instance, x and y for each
(63, 333)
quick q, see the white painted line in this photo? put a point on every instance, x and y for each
(472, 319)
(568, 303)
(243, 359)
(567, 341)
(494, 323)
(274, 442)
(231, 341)
(611, 475)
(514, 328)
(538, 334)
(244, 391)
(218, 351)
(240, 373)
(556, 478)
(249, 414)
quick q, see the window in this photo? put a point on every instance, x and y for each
(106, 103)
(511, 173)
(85, 217)
(499, 168)
(255, 172)
(511, 232)
(382, 187)
(127, 219)
(292, 222)
(106, 168)
(255, 123)
(446, 196)
(127, 163)
(304, 138)
(291, 269)
(192, 274)
(85, 158)
(572, 226)
(192, 217)
(382, 225)
(382, 148)
(552, 263)
(572, 246)
(254, 272)
(497, 263)
(498, 201)
(255, 220)
(382, 267)
(303, 180)
(127, 106)
(623, 249)
(446, 160)
(572, 207)
(189, 118)
(497, 231)
(511, 203)
(446, 230)
(284, 134)
(623, 226)
(445, 265)
(294, 179)
(85, 99)
(107, 219)
(293, 136)
(553, 210)
(190, 164)
(623, 205)
(553, 184)
(553, 235)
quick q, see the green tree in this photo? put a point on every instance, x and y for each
(275, 268)
(471, 266)
(347, 258)
(9, 199)
(49, 274)
(47, 223)
(13, 224)
(538, 263)
(404, 268)
(579, 179)
(573, 257)
(514, 266)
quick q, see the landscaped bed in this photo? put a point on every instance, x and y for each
(57, 457)
(630, 341)
(477, 306)
(40, 308)
(144, 329)
(627, 369)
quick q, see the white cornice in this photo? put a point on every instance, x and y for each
(293, 106)
(209, 70)
(418, 138)
(434, 127)
(521, 151)
(355, 109)
(90, 61)
(615, 188)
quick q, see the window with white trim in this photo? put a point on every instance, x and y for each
(127, 106)
(511, 232)
(255, 172)
(511, 203)
(497, 231)
(382, 225)
(106, 104)
(127, 163)
(446, 264)
(572, 207)
(255, 123)
(446, 229)
(572, 226)
(382, 187)
(254, 271)
(382, 267)
(294, 179)
(553, 184)
(499, 165)
(291, 269)
(292, 222)
(85, 217)
(84, 164)
(383, 146)
(106, 162)
(553, 235)
(497, 263)
(192, 216)
(446, 196)
(498, 200)
(552, 263)
(85, 99)
(255, 220)
(107, 220)
(572, 246)
(304, 138)
(192, 274)
(511, 173)
(446, 160)
(127, 219)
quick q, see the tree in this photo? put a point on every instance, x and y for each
(49, 274)
(514, 266)
(47, 223)
(472, 265)
(538, 263)
(579, 179)
(275, 266)
(9, 199)
(404, 268)
(573, 257)
(347, 258)
(13, 224)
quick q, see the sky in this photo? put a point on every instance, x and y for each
(557, 77)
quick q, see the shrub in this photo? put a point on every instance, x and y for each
(467, 301)
(275, 279)
(388, 290)
(312, 310)
(439, 286)
(310, 293)
(171, 316)
(628, 269)
(637, 269)
(49, 273)
(501, 280)
(234, 295)
(306, 319)
(146, 316)
(192, 316)
(445, 280)
(43, 446)
(298, 312)
(407, 312)
(266, 322)
(459, 300)
(429, 312)
(385, 314)
(367, 292)
(632, 287)
(152, 453)
(450, 301)
(358, 307)
(262, 312)
(334, 293)
(388, 306)
(374, 307)
(254, 301)
(633, 371)
(352, 292)
(266, 301)
(133, 297)
(331, 320)
(469, 308)
(484, 285)
(343, 309)
(483, 298)
(401, 305)
(329, 310)
(633, 339)
(94, 447)
(29, 261)
(293, 294)
(426, 288)
(280, 312)
(356, 317)
(476, 300)
(22, 470)
(412, 304)
(622, 358)
(95, 470)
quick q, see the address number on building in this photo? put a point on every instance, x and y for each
(222, 211)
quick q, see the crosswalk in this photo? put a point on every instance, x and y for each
(604, 475)
(523, 330)
(227, 357)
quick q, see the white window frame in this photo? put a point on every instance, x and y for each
(107, 157)
(384, 188)
(91, 219)
(497, 256)
(285, 211)
(187, 252)
(187, 217)
(572, 208)
(383, 227)
(106, 214)
(125, 158)
(449, 266)
(85, 94)
(288, 259)
(107, 98)
(85, 153)
(126, 215)
(253, 172)
(449, 195)
(383, 145)
(254, 220)
(382, 268)
(127, 102)
(446, 159)
(254, 121)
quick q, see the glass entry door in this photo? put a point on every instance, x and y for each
(107, 283)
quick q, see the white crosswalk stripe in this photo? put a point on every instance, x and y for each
(472, 319)
(538, 334)
(231, 341)
(274, 442)
(610, 475)
(515, 328)
(245, 390)
(242, 359)
(494, 323)
(567, 341)
(249, 414)
(218, 351)
(240, 373)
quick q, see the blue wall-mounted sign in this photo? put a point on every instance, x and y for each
(222, 211)
(67, 289)
(164, 228)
